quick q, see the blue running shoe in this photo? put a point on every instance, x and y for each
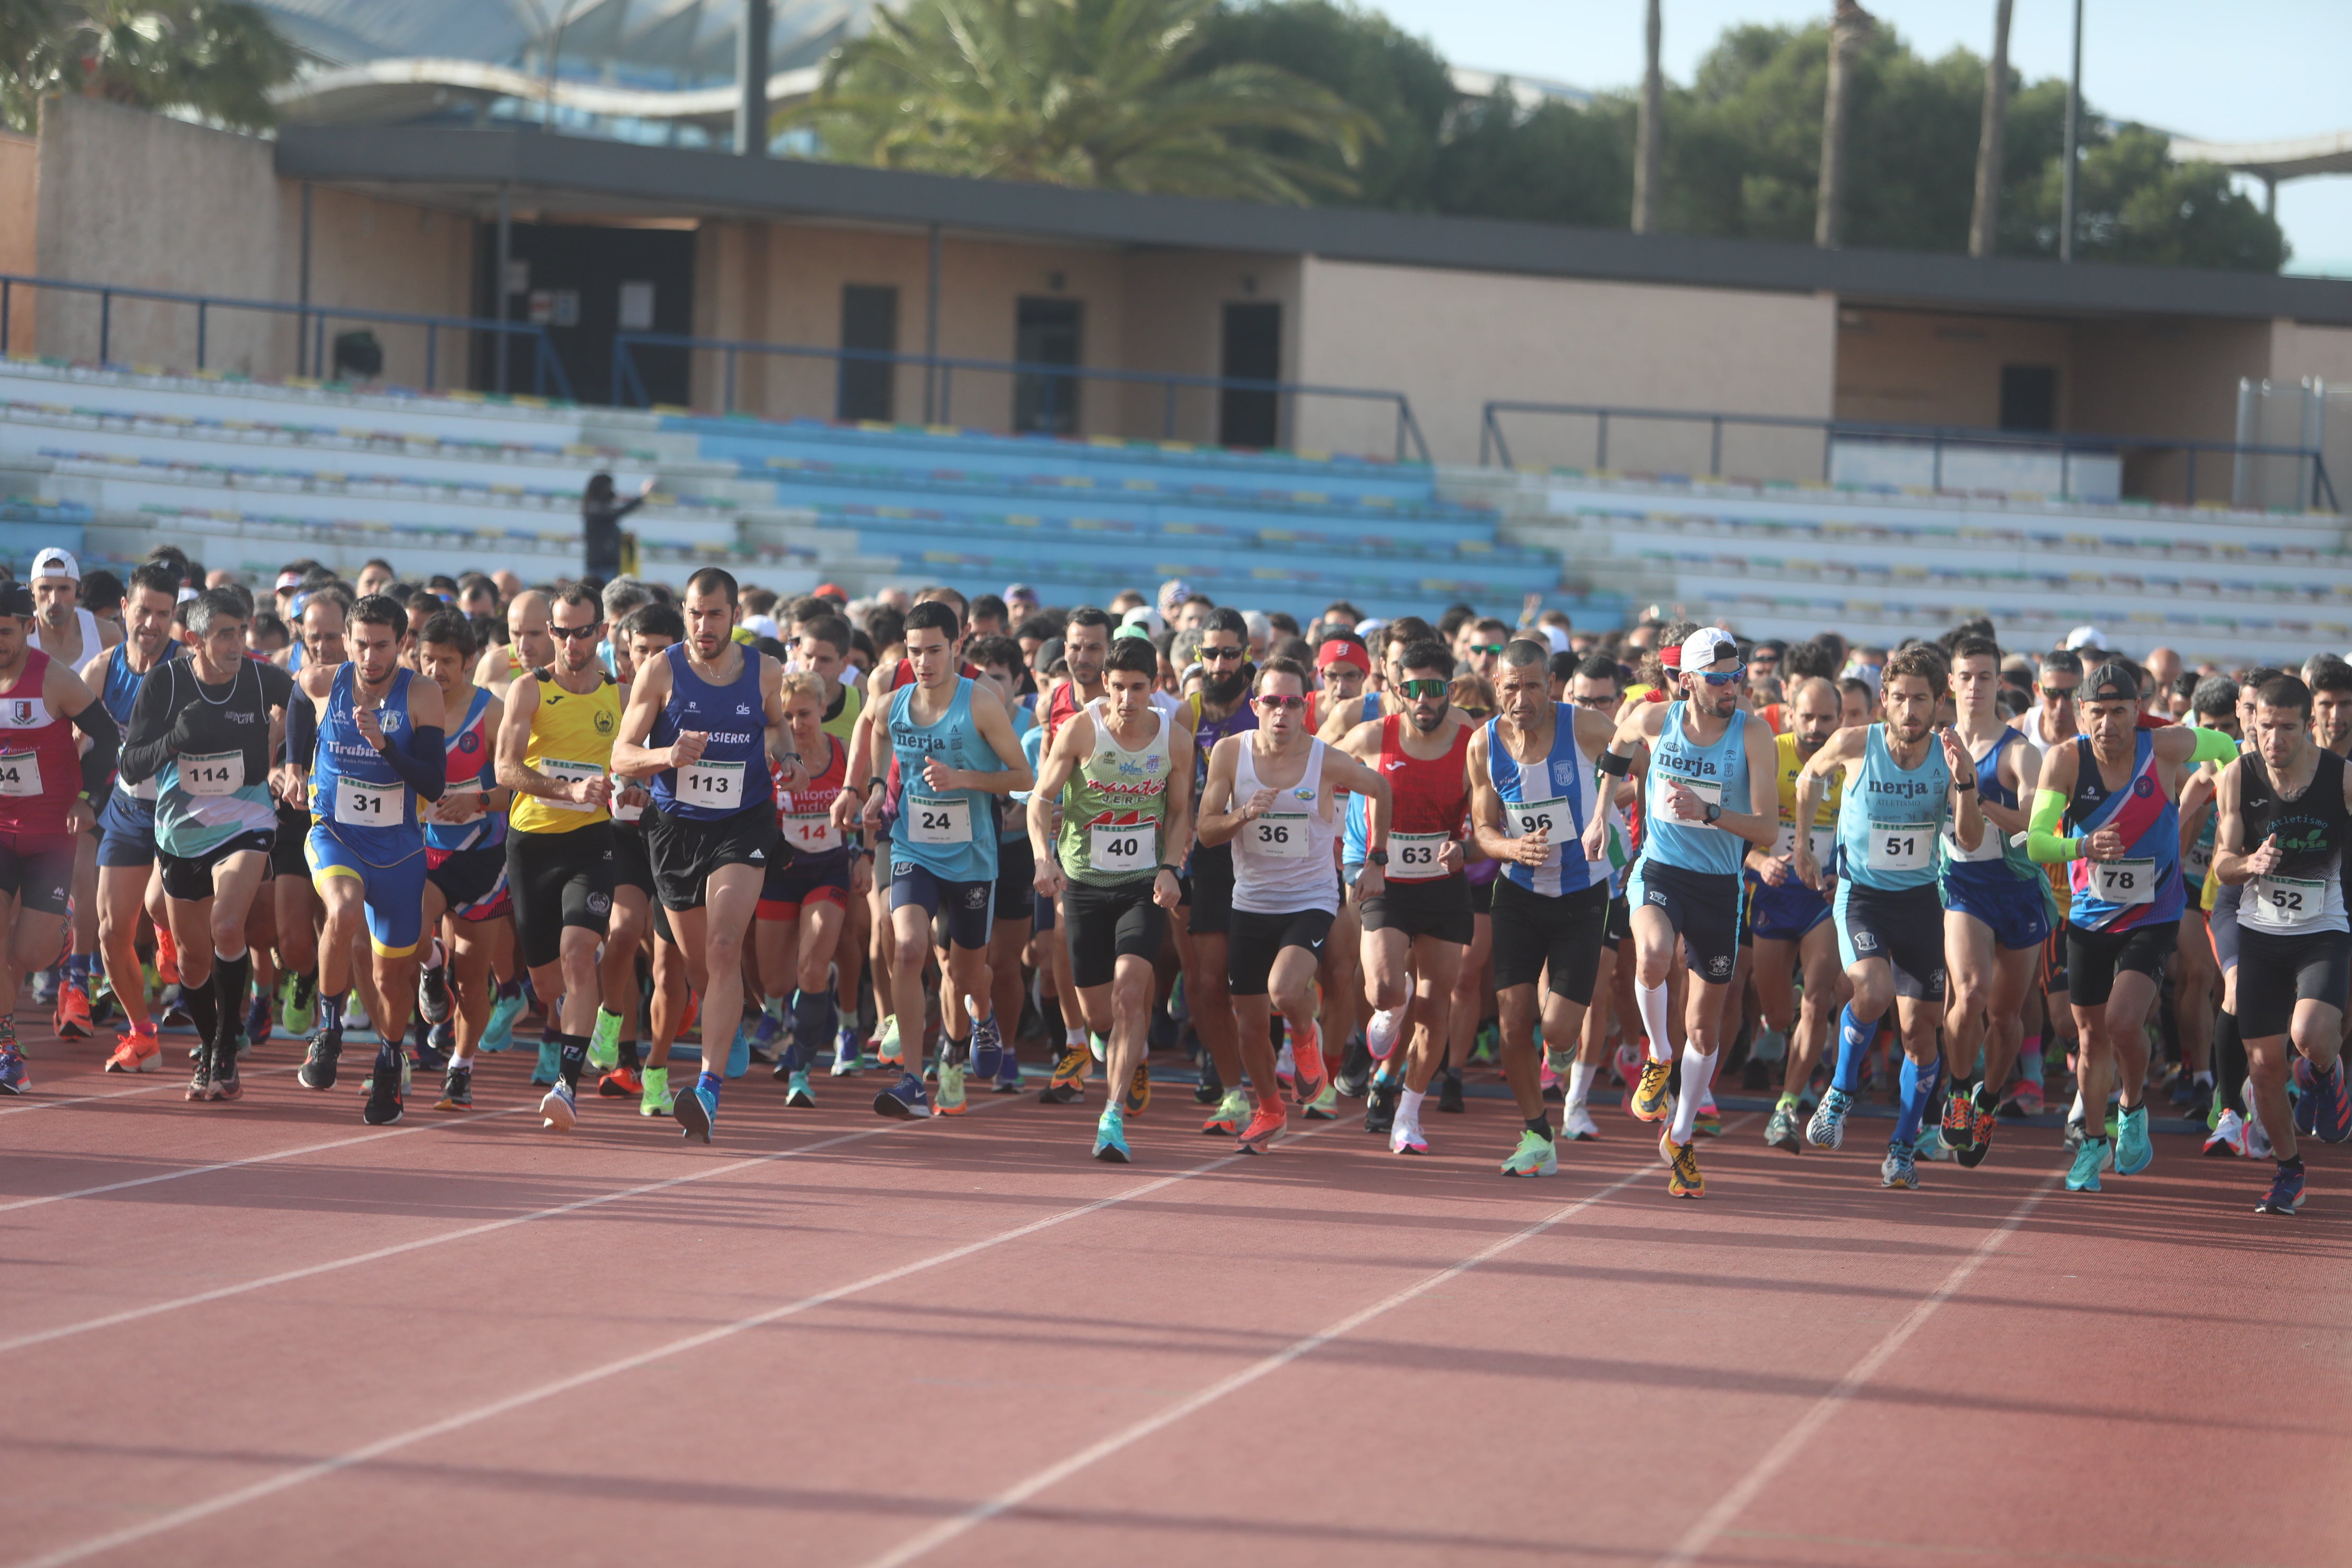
(1110, 1137)
(2285, 1195)
(848, 1051)
(766, 1034)
(904, 1098)
(550, 1067)
(2331, 1121)
(738, 1055)
(1900, 1169)
(2306, 1099)
(1827, 1128)
(497, 1035)
(696, 1111)
(1008, 1071)
(987, 1044)
(16, 1078)
(2082, 1176)
(2133, 1152)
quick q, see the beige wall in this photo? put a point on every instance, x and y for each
(20, 185)
(2166, 377)
(1915, 368)
(1452, 341)
(1175, 323)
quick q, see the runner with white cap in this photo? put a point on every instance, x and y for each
(70, 634)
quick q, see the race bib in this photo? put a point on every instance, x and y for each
(928, 821)
(2283, 903)
(20, 775)
(633, 811)
(1825, 844)
(361, 804)
(1417, 857)
(566, 773)
(1988, 847)
(2124, 881)
(2197, 861)
(1553, 817)
(812, 834)
(1709, 793)
(712, 786)
(1902, 846)
(1280, 834)
(213, 773)
(1134, 846)
(144, 791)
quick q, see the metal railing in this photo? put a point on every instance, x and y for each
(1494, 450)
(629, 389)
(310, 326)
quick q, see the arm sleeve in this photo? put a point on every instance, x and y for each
(301, 729)
(2042, 843)
(98, 762)
(149, 744)
(423, 764)
(2214, 747)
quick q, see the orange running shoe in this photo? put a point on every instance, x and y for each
(1259, 1135)
(167, 959)
(1683, 1178)
(73, 1013)
(1308, 1065)
(621, 1083)
(135, 1050)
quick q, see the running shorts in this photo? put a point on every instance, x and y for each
(631, 867)
(473, 882)
(969, 907)
(2278, 969)
(1560, 937)
(558, 880)
(1106, 924)
(1703, 907)
(1786, 913)
(37, 869)
(805, 879)
(2018, 913)
(190, 879)
(686, 850)
(2222, 919)
(1258, 941)
(2093, 958)
(126, 834)
(1620, 920)
(1209, 890)
(394, 895)
(289, 857)
(1016, 880)
(1438, 908)
(1482, 895)
(1903, 925)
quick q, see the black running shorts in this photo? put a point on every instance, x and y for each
(684, 850)
(1438, 908)
(1258, 941)
(1536, 935)
(2278, 969)
(1106, 924)
(2093, 958)
(558, 880)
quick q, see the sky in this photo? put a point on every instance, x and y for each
(2250, 71)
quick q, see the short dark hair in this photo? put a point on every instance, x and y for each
(450, 629)
(938, 615)
(2216, 695)
(155, 577)
(654, 620)
(381, 610)
(1290, 666)
(1522, 652)
(991, 606)
(1136, 655)
(1428, 655)
(2333, 674)
(1922, 660)
(1000, 653)
(2284, 691)
(1975, 647)
(828, 629)
(1601, 666)
(577, 594)
(1087, 616)
(1226, 618)
(713, 579)
(1811, 657)
(2060, 661)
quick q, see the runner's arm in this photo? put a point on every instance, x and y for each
(67, 693)
(2009, 821)
(1220, 817)
(1969, 825)
(1488, 828)
(1760, 823)
(514, 743)
(2043, 843)
(420, 757)
(147, 744)
(2230, 856)
(631, 758)
(1060, 761)
(994, 723)
(1178, 829)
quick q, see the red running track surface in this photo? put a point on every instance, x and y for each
(265, 1333)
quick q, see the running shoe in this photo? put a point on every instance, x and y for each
(1985, 1117)
(1098, 1046)
(766, 1033)
(1449, 1094)
(1628, 1061)
(72, 1019)
(433, 992)
(1380, 1034)
(1931, 1145)
(322, 1052)
(200, 1083)
(738, 1053)
(904, 1098)
(1380, 1107)
(456, 1089)
(1578, 1127)
(2332, 1119)
(604, 1041)
(1067, 1086)
(2228, 1138)
(1264, 1128)
(1325, 1105)
(2258, 1137)
(1683, 1178)
(1233, 1112)
(621, 1083)
(2307, 1103)
(2024, 1097)
(2074, 1134)
(1210, 1087)
(1308, 1065)
(797, 1096)
(2134, 1152)
(1827, 1129)
(656, 1099)
(135, 1050)
(1899, 1170)
(1008, 1071)
(1537, 1155)
(1958, 1124)
(2285, 1195)
(1355, 1067)
(1405, 1137)
(951, 1096)
(886, 1050)
(696, 1111)
(1139, 1090)
(1110, 1137)
(434, 1044)
(45, 985)
(497, 1035)
(1781, 1132)
(1708, 1122)
(101, 998)
(171, 1008)
(167, 959)
(549, 1069)
(300, 1007)
(987, 1043)
(387, 1087)
(2083, 1176)
(558, 1109)
(257, 1021)
(848, 1051)
(1550, 1085)
(1653, 1101)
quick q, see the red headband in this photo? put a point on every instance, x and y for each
(1341, 651)
(1672, 657)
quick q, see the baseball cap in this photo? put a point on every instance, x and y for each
(1144, 615)
(1368, 629)
(1021, 592)
(832, 591)
(55, 563)
(289, 578)
(1706, 646)
(2111, 682)
(1135, 629)
(1174, 592)
(1557, 639)
(2086, 637)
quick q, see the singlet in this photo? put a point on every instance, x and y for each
(951, 835)
(1115, 805)
(355, 795)
(1716, 774)
(1891, 818)
(2306, 893)
(218, 786)
(120, 692)
(842, 725)
(2142, 888)
(1788, 765)
(89, 634)
(570, 738)
(805, 817)
(1282, 861)
(1206, 734)
(40, 759)
(1996, 862)
(472, 771)
(1555, 794)
(1431, 796)
(724, 781)
(1064, 706)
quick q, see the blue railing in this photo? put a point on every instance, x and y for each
(629, 389)
(311, 328)
(1494, 450)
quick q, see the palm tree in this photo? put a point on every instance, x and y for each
(1984, 220)
(1847, 30)
(1076, 92)
(1648, 127)
(216, 58)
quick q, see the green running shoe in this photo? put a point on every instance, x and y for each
(1110, 1138)
(2082, 1176)
(949, 1099)
(2133, 1152)
(605, 1042)
(657, 1099)
(1324, 1106)
(301, 1009)
(796, 1092)
(1537, 1155)
(1783, 1131)
(1232, 1114)
(885, 1049)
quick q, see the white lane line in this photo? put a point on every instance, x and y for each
(186, 1171)
(175, 1084)
(1053, 1475)
(287, 1479)
(1731, 1504)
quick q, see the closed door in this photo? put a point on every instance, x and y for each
(1047, 332)
(1253, 352)
(869, 320)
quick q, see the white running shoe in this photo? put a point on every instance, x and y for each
(2258, 1138)
(1405, 1137)
(557, 1109)
(1380, 1034)
(2229, 1137)
(1578, 1126)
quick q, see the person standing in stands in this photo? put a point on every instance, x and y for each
(600, 525)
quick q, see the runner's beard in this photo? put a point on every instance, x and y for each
(1226, 689)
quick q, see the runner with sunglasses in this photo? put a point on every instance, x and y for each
(1220, 707)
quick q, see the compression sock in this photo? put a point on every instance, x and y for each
(1651, 1000)
(1698, 1072)
(813, 1019)
(573, 1056)
(231, 976)
(203, 1007)
(1919, 1093)
(1852, 1044)
(708, 1083)
(2230, 1063)
(77, 969)
(331, 1012)
(1541, 1127)
(1579, 1082)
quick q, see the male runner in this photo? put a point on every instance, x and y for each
(555, 746)
(363, 750)
(319, 640)
(200, 729)
(2114, 788)
(1122, 777)
(1903, 786)
(465, 842)
(530, 643)
(126, 847)
(1531, 792)
(1997, 909)
(1705, 761)
(1222, 707)
(66, 631)
(2286, 820)
(47, 785)
(1273, 794)
(1790, 921)
(644, 636)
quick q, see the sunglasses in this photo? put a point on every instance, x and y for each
(1599, 702)
(1221, 655)
(577, 633)
(2057, 690)
(1721, 677)
(1424, 688)
(1478, 713)
(1277, 701)
(1493, 648)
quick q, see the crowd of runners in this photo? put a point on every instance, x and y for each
(1354, 860)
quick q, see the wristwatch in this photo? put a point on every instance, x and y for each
(1376, 858)
(1175, 871)
(1712, 815)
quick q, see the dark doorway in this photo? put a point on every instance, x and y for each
(869, 320)
(1253, 353)
(585, 283)
(1047, 332)
(2029, 397)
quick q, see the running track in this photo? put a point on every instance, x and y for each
(267, 1333)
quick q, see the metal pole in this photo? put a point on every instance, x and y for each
(200, 334)
(931, 329)
(5, 302)
(2240, 482)
(1715, 449)
(432, 337)
(751, 79)
(2073, 143)
(302, 288)
(105, 323)
(498, 283)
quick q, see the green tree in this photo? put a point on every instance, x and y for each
(218, 58)
(2135, 203)
(1555, 163)
(1079, 92)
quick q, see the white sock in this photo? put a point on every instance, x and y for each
(1652, 1003)
(2076, 1114)
(1409, 1107)
(1579, 1084)
(1698, 1072)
